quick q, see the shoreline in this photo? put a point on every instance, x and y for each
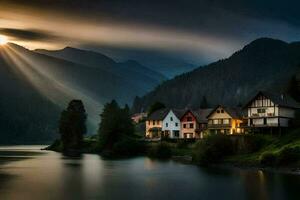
(188, 160)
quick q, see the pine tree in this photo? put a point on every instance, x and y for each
(115, 125)
(72, 125)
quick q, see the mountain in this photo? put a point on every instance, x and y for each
(131, 71)
(26, 116)
(168, 64)
(264, 64)
(36, 87)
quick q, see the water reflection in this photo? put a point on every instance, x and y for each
(35, 174)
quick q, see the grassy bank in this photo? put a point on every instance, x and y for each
(278, 151)
(244, 151)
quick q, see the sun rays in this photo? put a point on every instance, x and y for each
(3, 40)
(42, 77)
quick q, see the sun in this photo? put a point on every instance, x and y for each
(3, 40)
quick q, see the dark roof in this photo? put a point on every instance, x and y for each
(201, 114)
(278, 99)
(234, 112)
(179, 112)
(159, 114)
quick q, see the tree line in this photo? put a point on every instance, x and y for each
(116, 133)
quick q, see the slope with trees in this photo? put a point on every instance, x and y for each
(264, 64)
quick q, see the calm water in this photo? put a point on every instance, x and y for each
(28, 173)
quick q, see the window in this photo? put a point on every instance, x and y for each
(218, 111)
(149, 123)
(167, 124)
(226, 121)
(171, 118)
(176, 133)
(176, 124)
(189, 119)
(153, 122)
(215, 121)
(222, 111)
(191, 125)
(261, 110)
(184, 125)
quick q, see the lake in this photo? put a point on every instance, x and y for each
(29, 173)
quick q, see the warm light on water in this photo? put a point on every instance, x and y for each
(28, 173)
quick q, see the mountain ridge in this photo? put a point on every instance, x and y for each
(263, 64)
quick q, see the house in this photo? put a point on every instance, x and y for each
(269, 110)
(194, 123)
(171, 124)
(225, 120)
(136, 118)
(154, 123)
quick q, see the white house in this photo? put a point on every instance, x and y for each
(266, 110)
(171, 124)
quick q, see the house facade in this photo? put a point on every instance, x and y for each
(224, 120)
(194, 123)
(267, 110)
(154, 124)
(188, 125)
(171, 124)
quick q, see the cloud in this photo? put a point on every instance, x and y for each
(28, 35)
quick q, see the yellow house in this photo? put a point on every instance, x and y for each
(225, 120)
(154, 123)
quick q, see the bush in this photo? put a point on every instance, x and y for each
(182, 144)
(213, 149)
(161, 150)
(268, 159)
(128, 147)
(289, 155)
(254, 143)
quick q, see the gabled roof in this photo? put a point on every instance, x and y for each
(278, 99)
(178, 112)
(201, 114)
(234, 112)
(159, 114)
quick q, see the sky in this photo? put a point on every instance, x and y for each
(194, 32)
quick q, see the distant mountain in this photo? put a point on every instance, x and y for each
(36, 87)
(131, 71)
(173, 69)
(168, 64)
(264, 64)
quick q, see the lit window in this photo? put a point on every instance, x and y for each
(226, 121)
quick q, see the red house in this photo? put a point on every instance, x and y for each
(193, 123)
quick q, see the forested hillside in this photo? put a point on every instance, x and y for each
(264, 64)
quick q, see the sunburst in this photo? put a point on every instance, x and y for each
(3, 40)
